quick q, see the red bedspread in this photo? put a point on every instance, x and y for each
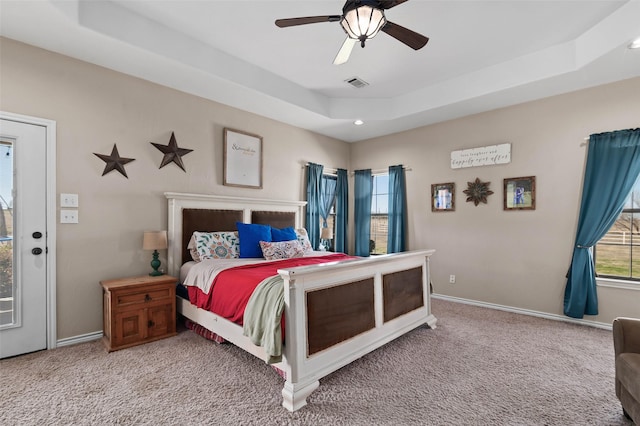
(233, 287)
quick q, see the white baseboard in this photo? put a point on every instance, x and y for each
(98, 334)
(89, 337)
(546, 315)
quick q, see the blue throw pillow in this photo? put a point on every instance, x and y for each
(250, 236)
(285, 234)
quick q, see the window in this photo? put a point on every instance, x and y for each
(7, 290)
(379, 214)
(329, 194)
(617, 254)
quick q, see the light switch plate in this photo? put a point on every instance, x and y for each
(68, 200)
(68, 216)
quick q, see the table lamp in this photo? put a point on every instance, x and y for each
(326, 234)
(155, 240)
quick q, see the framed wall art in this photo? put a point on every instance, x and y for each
(443, 197)
(520, 193)
(242, 159)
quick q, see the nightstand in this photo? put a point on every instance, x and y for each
(138, 310)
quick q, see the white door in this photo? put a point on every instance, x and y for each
(23, 238)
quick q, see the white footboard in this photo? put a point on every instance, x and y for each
(305, 361)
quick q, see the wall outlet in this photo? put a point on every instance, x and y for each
(452, 279)
(68, 216)
(68, 200)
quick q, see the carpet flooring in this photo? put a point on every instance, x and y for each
(478, 367)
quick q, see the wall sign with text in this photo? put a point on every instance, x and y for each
(482, 156)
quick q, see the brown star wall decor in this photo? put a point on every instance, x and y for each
(172, 154)
(477, 191)
(114, 162)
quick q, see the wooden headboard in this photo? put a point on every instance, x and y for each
(198, 212)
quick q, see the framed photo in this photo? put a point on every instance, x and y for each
(242, 159)
(520, 193)
(443, 197)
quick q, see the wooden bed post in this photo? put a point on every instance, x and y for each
(294, 395)
(294, 392)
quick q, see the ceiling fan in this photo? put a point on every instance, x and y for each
(362, 20)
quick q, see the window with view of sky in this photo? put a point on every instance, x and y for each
(379, 214)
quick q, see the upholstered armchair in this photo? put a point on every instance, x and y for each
(626, 344)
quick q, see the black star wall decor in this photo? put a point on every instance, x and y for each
(114, 162)
(172, 153)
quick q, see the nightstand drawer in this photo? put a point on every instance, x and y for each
(136, 298)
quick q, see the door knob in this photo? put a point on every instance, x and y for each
(36, 251)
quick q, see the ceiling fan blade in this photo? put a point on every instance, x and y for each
(345, 51)
(410, 38)
(388, 4)
(290, 22)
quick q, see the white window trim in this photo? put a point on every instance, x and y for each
(617, 283)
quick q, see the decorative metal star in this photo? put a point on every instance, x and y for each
(172, 153)
(114, 162)
(477, 191)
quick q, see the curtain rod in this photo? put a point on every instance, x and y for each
(325, 170)
(382, 171)
(333, 171)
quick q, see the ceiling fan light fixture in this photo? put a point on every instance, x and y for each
(362, 20)
(635, 44)
(358, 122)
(363, 23)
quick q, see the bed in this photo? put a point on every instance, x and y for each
(334, 312)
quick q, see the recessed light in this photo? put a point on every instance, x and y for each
(358, 122)
(635, 44)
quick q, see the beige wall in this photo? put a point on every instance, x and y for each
(95, 108)
(512, 258)
(516, 259)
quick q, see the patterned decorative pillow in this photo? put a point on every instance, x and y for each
(217, 245)
(281, 249)
(303, 238)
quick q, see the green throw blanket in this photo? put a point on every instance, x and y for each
(262, 317)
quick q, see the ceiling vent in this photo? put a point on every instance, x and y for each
(357, 82)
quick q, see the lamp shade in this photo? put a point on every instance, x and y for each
(154, 240)
(363, 22)
(326, 234)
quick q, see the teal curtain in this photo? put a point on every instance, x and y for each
(363, 189)
(397, 210)
(328, 187)
(342, 212)
(613, 166)
(314, 203)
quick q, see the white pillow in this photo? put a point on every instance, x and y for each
(303, 239)
(192, 249)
